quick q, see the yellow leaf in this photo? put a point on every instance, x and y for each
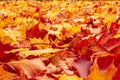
(18, 20)
(21, 3)
(109, 19)
(66, 77)
(75, 29)
(28, 52)
(119, 22)
(14, 35)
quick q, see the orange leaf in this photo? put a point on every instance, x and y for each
(66, 77)
(4, 75)
(97, 74)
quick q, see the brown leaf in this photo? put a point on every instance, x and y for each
(82, 66)
(30, 68)
(60, 60)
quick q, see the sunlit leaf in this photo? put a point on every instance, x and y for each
(96, 73)
(28, 67)
(4, 75)
(65, 77)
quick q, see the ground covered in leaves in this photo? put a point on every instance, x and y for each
(60, 40)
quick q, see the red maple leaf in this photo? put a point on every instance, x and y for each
(6, 57)
(35, 32)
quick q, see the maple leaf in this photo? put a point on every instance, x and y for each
(117, 74)
(75, 42)
(104, 62)
(30, 68)
(41, 28)
(27, 52)
(6, 57)
(116, 60)
(114, 27)
(4, 75)
(61, 60)
(66, 77)
(117, 35)
(43, 77)
(23, 44)
(108, 42)
(35, 32)
(82, 65)
(96, 73)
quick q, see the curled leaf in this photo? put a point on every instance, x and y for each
(30, 68)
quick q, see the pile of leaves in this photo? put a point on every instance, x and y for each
(59, 40)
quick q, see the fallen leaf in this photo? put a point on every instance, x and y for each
(82, 66)
(117, 74)
(97, 74)
(35, 32)
(66, 77)
(6, 57)
(5, 75)
(27, 52)
(30, 68)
